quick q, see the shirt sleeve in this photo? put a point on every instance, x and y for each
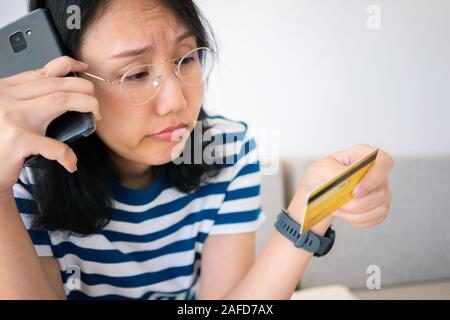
(23, 195)
(241, 210)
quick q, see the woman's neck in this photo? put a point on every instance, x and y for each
(132, 174)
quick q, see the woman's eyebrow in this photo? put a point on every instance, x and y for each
(185, 35)
(131, 52)
(145, 49)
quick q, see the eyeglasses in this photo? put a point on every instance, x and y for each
(141, 84)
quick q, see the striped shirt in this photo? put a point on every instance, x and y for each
(152, 247)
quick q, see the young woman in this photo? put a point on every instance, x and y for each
(117, 211)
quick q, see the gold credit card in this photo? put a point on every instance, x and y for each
(334, 193)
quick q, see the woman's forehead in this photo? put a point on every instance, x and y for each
(134, 23)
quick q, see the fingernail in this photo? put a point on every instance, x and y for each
(358, 192)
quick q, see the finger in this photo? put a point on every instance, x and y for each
(52, 149)
(376, 176)
(54, 105)
(364, 217)
(367, 202)
(321, 171)
(58, 67)
(369, 224)
(42, 87)
(62, 66)
(26, 76)
(351, 155)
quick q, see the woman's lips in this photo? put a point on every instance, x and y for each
(173, 133)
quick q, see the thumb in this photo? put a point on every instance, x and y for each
(322, 171)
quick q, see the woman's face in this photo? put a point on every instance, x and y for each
(125, 128)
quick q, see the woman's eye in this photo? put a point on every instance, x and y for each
(188, 60)
(137, 76)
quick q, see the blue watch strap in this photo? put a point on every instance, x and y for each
(308, 241)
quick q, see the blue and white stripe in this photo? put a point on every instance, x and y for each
(152, 247)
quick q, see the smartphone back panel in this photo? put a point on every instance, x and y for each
(41, 44)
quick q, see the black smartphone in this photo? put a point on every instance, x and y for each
(29, 43)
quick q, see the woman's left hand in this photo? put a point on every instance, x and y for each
(372, 196)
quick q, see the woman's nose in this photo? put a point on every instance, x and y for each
(170, 97)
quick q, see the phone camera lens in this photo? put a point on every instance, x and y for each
(18, 42)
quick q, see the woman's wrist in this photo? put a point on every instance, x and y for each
(297, 209)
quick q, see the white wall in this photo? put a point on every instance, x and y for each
(11, 10)
(313, 70)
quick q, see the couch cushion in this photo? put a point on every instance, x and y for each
(411, 245)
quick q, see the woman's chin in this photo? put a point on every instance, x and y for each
(162, 152)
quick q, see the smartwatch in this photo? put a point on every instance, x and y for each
(308, 241)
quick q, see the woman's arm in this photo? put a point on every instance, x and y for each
(23, 275)
(274, 275)
(280, 266)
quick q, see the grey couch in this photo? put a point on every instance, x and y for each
(412, 245)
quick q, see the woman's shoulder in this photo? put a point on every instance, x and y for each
(234, 146)
(231, 137)
(220, 124)
(239, 180)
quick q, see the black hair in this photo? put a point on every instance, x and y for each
(81, 202)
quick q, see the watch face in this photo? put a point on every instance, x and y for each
(330, 236)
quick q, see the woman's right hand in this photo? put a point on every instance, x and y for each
(29, 102)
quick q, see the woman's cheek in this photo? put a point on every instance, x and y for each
(194, 99)
(117, 126)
